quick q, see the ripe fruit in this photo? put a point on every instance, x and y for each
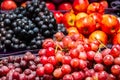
(57, 73)
(68, 19)
(109, 24)
(104, 4)
(115, 51)
(80, 15)
(66, 69)
(117, 60)
(66, 59)
(97, 17)
(58, 16)
(98, 67)
(116, 39)
(67, 77)
(86, 25)
(108, 60)
(8, 5)
(40, 71)
(80, 5)
(65, 6)
(50, 51)
(50, 5)
(74, 63)
(115, 69)
(90, 55)
(82, 64)
(95, 8)
(98, 58)
(76, 76)
(48, 68)
(98, 35)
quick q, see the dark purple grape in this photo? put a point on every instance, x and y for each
(27, 72)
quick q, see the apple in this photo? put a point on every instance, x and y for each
(8, 5)
(116, 38)
(68, 19)
(86, 25)
(104, 4)
(58, 16)
(80, 5)
(99, 36)
(95, 7)
(65, 6)
(80, 15)
(50, 5)
(109, 24)
(72, 30)
(97, 17)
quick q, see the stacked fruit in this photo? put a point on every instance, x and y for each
(90, 20)
(26, 28)
(70, 57)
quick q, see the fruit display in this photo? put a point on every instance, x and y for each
(26, 28)
(90, 20)
(68, 57)
(59, 40)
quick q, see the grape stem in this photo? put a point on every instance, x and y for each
(58, 46)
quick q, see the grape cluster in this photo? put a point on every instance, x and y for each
(26, 28)
(20, 68)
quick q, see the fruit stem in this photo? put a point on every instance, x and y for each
(58, 46)
(101, 43)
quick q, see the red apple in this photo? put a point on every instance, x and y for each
(58, 16)
(86, 25)
(8, 5)
(80, 5)
(50, 5)
(95, 7)
(80, 15)
(99, 36)
(104, 4)
(65, 6)
(68, 19)
(97, 17)
(109, 24)
(116, 39)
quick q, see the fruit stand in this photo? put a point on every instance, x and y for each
(59, 40)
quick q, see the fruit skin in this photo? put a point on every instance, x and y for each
(48, 68)
(109, 24)
(85, 25)
(68, 19)
(97, 17)
(115, 69)
(108, 60)
(80, 5)
(40, 71)
(99, 35)
(50, 5)
(95, 7)
(65, 6)
(8, 5)
(66, 69)
(104, 4)
(58, 16)
(116, 39)
(80, 15)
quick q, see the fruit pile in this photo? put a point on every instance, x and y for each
(70, 57)
(26, 28)
(90, 20)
